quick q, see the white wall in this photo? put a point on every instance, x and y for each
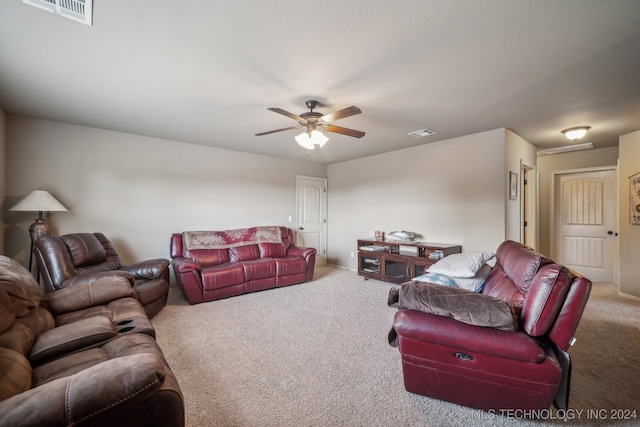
(629, 235)
(450, 191)
(138, 190)
(3, 157)
(517, 150)
(547, 165)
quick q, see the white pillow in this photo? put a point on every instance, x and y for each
(461, 265)
(475, 283)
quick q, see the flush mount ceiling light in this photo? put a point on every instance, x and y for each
(576, 133)
(567, 148)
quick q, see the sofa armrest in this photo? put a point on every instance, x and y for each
(452, 333)
(184, 265)
(149, 269)
(89, 294)
(301, 251)
(119, 391)
(69, 338)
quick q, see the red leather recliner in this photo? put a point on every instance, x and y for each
(493, 369)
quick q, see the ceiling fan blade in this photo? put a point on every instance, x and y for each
(278, 130)
(344, 131)
(286, 113)
(340, 114)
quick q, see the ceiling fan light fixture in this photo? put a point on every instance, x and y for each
(309, 140)
(576, 133)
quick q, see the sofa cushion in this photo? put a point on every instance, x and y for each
(520, 263)
(223, 275)
(498, 285)
(92, 293)
(85, 249)
(244, 253)
(20, 285)
(207, 257)
(259, 269)
(15, 372)
(272, 250)
(290, 265)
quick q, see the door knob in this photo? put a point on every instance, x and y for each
(301, 228)
(611, 232)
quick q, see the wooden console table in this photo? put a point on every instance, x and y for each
(397, 261)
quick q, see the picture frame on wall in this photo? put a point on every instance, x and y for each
(513, 185)
(634, 199)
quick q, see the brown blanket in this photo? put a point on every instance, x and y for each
(459, 304)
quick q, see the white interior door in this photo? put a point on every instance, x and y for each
(586, 223)
(312, 215)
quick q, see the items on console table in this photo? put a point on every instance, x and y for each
(398, 261)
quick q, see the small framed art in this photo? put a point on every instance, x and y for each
(513, 185)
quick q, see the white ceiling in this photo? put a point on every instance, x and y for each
(204, 72)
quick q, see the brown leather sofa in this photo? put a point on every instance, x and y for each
(210, 265)
(83, 355)
(78, 257)
(487, 368)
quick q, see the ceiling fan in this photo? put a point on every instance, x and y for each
(313, 121)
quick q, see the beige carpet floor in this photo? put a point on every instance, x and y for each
(316, 354)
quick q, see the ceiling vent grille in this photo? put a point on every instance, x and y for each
(422, 132)
(568, 148)
(78, 10)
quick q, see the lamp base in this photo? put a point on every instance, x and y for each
(39, 228)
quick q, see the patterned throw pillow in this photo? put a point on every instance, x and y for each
(439, 279)
(475, 283)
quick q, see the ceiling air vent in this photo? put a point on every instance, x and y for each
(422, 132)
(567, 148)
(78, 10)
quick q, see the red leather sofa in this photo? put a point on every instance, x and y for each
(210, 265)
(492, 369)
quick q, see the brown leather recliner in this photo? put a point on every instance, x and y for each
(66, 260)
(83, 355)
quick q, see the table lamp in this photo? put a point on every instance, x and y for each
(38, 201)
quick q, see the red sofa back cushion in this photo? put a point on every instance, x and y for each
(208, 257)
(244, 253)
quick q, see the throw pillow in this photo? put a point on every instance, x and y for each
(475, 283)
(439, 279)
(461, 265)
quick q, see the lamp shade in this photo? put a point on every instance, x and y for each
(310, 140)
(39, 201)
